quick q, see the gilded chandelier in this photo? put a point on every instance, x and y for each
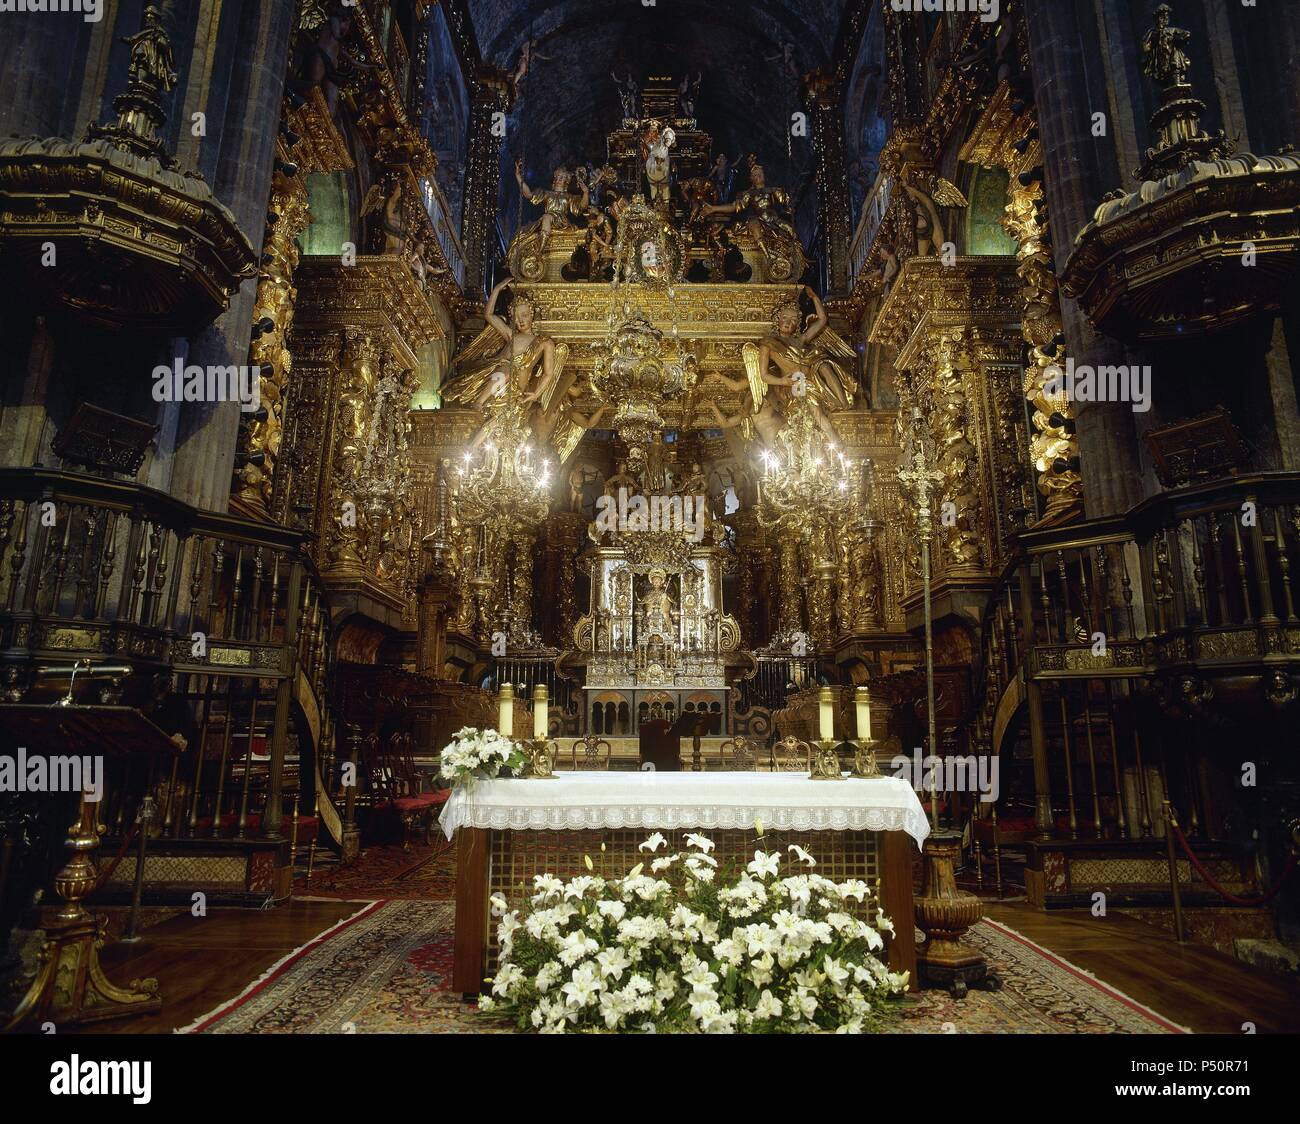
(809, 480)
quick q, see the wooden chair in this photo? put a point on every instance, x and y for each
(740, 755)
(593, 756)
(396, 783)
(790, 755)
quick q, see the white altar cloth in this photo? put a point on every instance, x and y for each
(666, 801)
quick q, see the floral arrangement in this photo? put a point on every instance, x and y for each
(478, 754)
(680, 949)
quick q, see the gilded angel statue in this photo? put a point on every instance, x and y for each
(512, 380)
(806, 374)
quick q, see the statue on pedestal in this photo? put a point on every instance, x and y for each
(768, 223)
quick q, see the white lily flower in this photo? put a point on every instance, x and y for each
(653, 843)
(702, 842)
(802, 855)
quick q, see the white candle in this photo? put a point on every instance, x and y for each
(827, 709)
(862, 697)
(541, 712)
(506, 710)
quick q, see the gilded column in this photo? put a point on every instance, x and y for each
(256, 462)
(491, 102)
(825, 99)
(963, 523)
(355, 404)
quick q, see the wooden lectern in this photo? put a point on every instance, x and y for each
(70, 985)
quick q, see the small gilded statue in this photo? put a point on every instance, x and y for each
(767, 209)
(1163, 57)
(151, 53)
(526, 256)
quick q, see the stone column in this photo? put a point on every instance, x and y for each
(242, 112)
(1064, 53)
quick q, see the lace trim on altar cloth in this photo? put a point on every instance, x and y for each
(462, 813)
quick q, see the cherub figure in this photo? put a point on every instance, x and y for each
(527, 53)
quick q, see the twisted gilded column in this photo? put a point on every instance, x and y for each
(356, 392)
(256, 466)
(491, 101)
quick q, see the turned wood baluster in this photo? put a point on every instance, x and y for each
(107, 565)
(227, 731)
(1198, 573)
(196, 582)
(1143, 802)
(275, 598)
(205, 720)
(231, 629)
(81, 603)
(1044, 599)
(1284, 564)
(63, 547)
(1126, 587)
(253, 627)
(19, 556)
(40, 547)
(1067, 632)
(1115, 762)
(1013, 642)
(1259, 556)
(1156, 602)
(248, 761)
(1220, 580)
(1101, 586)
(1242, 574)
(8, 511)
(138, 551)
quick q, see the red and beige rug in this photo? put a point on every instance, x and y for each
(387, 969)
(388, 872)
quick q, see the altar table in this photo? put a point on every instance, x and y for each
(512, 829)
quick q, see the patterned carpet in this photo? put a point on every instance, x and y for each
(389, 873)
(386, 969)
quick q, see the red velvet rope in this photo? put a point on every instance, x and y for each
(1268, 897)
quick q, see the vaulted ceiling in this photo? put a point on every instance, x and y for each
(568, 102)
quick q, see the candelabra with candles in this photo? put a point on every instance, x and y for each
(864, 755)
(825, 764)
(539, 748)
(810, 480)
(537, 756)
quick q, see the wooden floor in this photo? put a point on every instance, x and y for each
(1190, 984)
(199, 962)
